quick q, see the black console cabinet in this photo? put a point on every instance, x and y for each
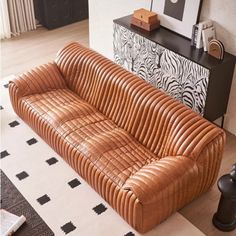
(56, 13)
(168, 62)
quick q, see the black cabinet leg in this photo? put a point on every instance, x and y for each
(222, 121)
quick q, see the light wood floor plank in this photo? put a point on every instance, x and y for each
(34, 48)
(200, 211)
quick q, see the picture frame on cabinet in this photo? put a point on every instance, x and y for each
(178, 15)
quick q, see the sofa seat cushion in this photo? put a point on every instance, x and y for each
(111, 149)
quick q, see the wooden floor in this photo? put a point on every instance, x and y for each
(40, 46)
(200, 211)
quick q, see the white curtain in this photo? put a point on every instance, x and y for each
(5, 29)
(20, 16)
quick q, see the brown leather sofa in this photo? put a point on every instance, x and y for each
(145, 153)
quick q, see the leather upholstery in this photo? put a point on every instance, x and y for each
(147, 154)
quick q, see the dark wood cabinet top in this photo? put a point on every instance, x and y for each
(177, 44)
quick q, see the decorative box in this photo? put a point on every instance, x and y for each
(143, 25)
(145, 19)
(145, 15)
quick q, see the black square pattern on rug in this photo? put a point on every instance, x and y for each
(99, 209)
(1, 107)
(129, 234)
(68, 227)
(74, 183)
(52, 161)
(44, 199)
(4, 154)
(22, 175)
(5, 85)
(32, 141)
(13, 123)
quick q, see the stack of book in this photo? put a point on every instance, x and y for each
(145, 19)
(202, 34)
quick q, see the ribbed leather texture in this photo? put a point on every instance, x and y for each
(133, 104)
(145, 153)
(110, 148)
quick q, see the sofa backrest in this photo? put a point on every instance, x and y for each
(159, 122)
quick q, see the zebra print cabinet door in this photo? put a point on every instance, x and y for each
(176, 75)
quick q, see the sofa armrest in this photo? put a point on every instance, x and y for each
(168, 178)
(39, 80)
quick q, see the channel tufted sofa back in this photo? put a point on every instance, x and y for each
(160, 123)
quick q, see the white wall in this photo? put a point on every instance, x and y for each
(223, 13)
(102, 13)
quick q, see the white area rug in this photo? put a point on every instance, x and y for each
(67, 204)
